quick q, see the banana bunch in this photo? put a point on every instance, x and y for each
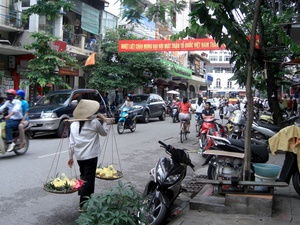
(107, 172)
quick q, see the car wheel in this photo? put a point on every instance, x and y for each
(63, 130)
(146, 117)
(163, 116)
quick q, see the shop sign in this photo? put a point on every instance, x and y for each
(71, 71)
(177, 70)
(58, 46)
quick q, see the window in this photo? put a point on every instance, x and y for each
(229, 84)
(218, 83)
(227, 58)
(213, 58)
(220, 58)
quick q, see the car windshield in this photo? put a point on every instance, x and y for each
(54, 99)
(140, 98)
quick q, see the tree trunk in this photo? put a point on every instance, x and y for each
(247, 159)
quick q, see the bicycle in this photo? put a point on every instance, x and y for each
(198, 123)
(183, 133)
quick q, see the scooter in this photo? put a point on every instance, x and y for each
(226, 163)
(165, 184)
(225, 159)
(124, 121)
(236, 125)
(261, 132)
(208, 129)
(175, 114)
(18, 149)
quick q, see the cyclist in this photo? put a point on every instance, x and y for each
(184, 114)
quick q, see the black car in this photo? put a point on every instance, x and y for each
(153, 106)
(49, 113)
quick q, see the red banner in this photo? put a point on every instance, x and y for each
(203, 44)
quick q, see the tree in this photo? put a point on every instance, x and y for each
(45, 65)
(124, 70)
(47, 61)
(229, 23)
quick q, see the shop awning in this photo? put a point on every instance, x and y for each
(161, 83)
(173, 85)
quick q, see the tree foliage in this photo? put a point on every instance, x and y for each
(229, 23)
(162, 12)
(43, 68)
(124, 70)
(49, 8)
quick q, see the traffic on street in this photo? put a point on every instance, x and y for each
(23, 200)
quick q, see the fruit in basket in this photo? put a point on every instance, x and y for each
(107, 172)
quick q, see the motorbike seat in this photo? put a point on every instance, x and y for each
(270, 126)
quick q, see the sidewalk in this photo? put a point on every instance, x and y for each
(286, 206)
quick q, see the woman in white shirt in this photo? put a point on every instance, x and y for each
(85, 144)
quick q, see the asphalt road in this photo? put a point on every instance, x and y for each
(23, 200)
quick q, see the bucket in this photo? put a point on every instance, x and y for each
(263, 179)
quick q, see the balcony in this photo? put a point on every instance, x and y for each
(10, 19)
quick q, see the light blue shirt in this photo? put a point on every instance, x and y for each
(13, 106)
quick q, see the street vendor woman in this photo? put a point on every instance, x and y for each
(85, 144)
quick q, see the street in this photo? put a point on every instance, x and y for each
(23, 200)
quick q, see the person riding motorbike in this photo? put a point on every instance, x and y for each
(208, 112)
(184, 114)
(13, 118)
(24, 122)
(129, 104)
(229, 109)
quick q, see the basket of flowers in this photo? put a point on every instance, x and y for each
(63, 185)
(108, 173)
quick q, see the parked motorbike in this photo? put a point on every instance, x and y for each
(236, 125)
(165, 184)
(226, 165)
(261, 132)
(18, 149)
(124, 121)
(175, 114)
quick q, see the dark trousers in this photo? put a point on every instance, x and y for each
(87, 170)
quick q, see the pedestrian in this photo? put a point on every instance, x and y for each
(199, 109)
(295, 106)
(106, 99)
(290, 103)
(24, 122)
(13, 118)
(117, 98)
(85, 144)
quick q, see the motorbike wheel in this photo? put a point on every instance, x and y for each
(133, 127)
(211, 171)
(174, 119)
(296, 182)
(120, 127)
(23, 150)
(155, 210)
(202, 141)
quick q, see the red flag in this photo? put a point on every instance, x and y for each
(90, 60)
